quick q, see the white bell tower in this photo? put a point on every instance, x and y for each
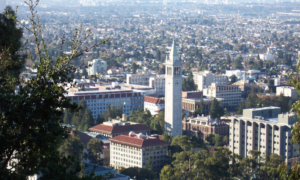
(173, 94)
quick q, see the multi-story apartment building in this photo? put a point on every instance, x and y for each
(263, 129)
(98, 101)
(118, 127)
(287, 91)
(191, 101)
(154, 104)
(204, 79)
(202, 127)
(134, 150)
(238, 73)
(138, 79)
(158, 84)
(96, 66)
(231, 94)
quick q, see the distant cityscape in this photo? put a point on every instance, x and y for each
(180, 88)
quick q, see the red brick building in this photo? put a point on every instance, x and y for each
(202, 127)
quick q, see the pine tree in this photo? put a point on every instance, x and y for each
(252, 100)
(290, 104)
(100, 119)
(87, 118)
(238, 63)
(240, 108)
(216, 111)
(77, 117)
(228, 60)
(67, 117)
(120, 110)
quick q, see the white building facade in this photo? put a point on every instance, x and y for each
(134, 150)
(231, 94)
(153, 104)
(287, 91)
(138, 79)
(238, 73)
(98, 101)
(158, 84)
(96, 66)
(206, 78)
(173, 94)
(264, 130)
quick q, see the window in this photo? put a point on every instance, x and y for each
(169, 70)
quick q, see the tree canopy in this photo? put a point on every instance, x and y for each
(31, 131)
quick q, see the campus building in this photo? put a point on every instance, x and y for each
(202, 127)
(204, 79)
(231, 94)
(265, 130)
(98, 101)
(134, 150)
(96, 66)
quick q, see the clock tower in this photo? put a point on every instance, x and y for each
(173, 94)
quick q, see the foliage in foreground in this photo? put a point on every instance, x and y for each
(30, 121)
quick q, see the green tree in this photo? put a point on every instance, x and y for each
(71, 146)
(182, 141)
(99, 119)
(31, 134)
(67, 117)
(233, 78)
(189, 84)
(200, 109)
(134, 67)
(228, 60)
(87, 118)
(240, 108)
(168, 172)
(11, 62)
(138, 173)
(94, 148)
(238, 63)
(282, 102)
(216, 111)
(78, 116)
(158, 55)
(252, 100)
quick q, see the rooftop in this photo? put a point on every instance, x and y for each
(115, 128)
(154, 100)
(139, 140)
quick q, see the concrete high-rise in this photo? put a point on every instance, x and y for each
(265, 130)
(173, 89)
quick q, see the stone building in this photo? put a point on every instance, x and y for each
(202, 127)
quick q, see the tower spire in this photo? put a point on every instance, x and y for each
(173, 56)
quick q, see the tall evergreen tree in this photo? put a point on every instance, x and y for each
(67, 117)
(238, 63)
(78, 116)
(216, 111)
(100, 119)
(240, 108)
(87, 120)
(228, 60)
(252, 100)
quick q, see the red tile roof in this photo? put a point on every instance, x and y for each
(137, 142)
(154, 100)
(101, 128)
